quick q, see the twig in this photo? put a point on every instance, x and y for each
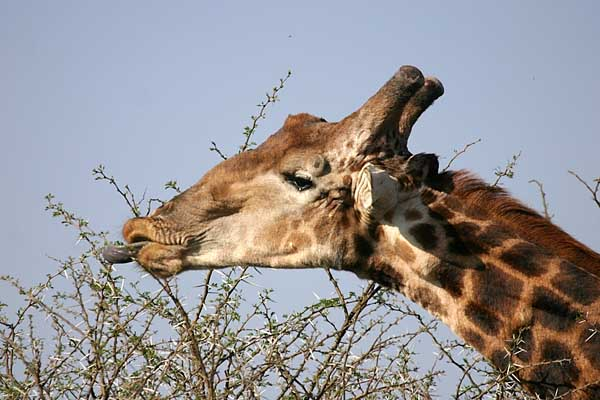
(458, 153)
(593, 191)
(249, 131)
(544, 200)
(271, 98)
(508, 171)
(216, 149)
(126, 193)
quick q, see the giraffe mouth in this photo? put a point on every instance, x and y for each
(140, 233)
(152, 242)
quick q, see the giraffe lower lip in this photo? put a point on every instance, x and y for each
(122, 254)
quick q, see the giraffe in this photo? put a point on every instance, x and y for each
(349, 195)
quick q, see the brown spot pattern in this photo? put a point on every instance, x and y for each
(524, 343)
(425, 236)
(500, 359)
(450, 277)
(551, 311)
(470, 238)
(482, 318)
(496, 290)
(467, 229)
(428, 300)
(526, 258)
(454, 242)
(383, 278)
(346, 219)
(467, 233)
(413, 215)
(389, 216)
(363, 246)
(492, 236)
(559, 371)
(474, 339)
(576, 283)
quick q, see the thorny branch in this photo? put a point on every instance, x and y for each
(271, 98)
(249, 131)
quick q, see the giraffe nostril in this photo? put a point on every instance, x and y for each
(138, 238)
(138, 230)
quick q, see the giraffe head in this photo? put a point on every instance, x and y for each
(309, 196)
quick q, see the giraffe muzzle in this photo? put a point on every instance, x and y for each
(138, 233)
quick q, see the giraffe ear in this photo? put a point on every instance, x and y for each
(376, 193)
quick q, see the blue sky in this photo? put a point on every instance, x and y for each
(143, 87)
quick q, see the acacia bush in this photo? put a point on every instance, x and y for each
(106, 337)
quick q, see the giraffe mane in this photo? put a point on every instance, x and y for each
(530, 225)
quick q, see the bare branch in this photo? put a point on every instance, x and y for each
(125, 192)
(216, 149)
(593, 189)
(458, 153)
(544, 201)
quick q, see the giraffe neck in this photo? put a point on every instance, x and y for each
(523, 307)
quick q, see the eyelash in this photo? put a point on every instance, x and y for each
(299, 182)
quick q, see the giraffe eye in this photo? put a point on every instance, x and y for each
(300, 182)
